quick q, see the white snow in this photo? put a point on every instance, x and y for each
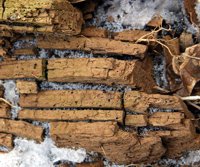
(30, 154)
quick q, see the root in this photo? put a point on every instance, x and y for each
(7, 102)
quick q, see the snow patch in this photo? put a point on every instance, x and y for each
(30, 154)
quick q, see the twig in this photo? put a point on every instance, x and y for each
(7, 102)
(190, 98)
(103, 151)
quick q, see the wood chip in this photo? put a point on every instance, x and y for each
(136, 120)
(26, 87)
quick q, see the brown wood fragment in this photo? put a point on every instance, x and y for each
(100, 70)
(21, 129)
(131, 35)
(60, 15)
(25, 51)
(1, 90)
(4, 110)
(136, 120)
(136, 101)
(91, 164)
(156, 21)
(26, 87)
(22, 69)
(95, 45)
(94, 32)
(72, 98)
(190, 10)
(71, 115)
(186, 40)
(106, 138)
(165, 118)
(6, 140)
(189, 69)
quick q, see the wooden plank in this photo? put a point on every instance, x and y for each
(99, 70)
(72, 99)
(93, 44)
(22, 69)
(21, 129)
(26, 87)
(71, 115)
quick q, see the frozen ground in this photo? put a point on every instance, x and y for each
(127, 14)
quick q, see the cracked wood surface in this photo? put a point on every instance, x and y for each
(21, 129)
(5, 110)
(117, 145)
(72, 98)
(48, 16)
(26, 87)
(71, 115)
(22, 69)
(94, 45)
(6, 140)
(99, 70)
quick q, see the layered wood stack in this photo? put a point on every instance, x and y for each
(135, 126)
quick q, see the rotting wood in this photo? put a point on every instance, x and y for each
(106, 138)
(189, 69)
(101, 70)
(4, 110)
(136, 101)
(165, 119)
(22, 69)
(72, 98)
(94, 32)
(136, 120)
(1, 90)
(6, 140)
(186, 40)
(26, 87)
(156, 21)
(21, 129)
(71, 115)
(94, 44)
(132, 35)
(56, 16)
(25, 51)
(91, 164)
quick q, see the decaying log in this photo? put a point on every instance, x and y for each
(190, 69)
(101, 70)
(136, 101)
(72, 98)
(136, 120)
(22, 69)
(71, 115)
(6, 140)
(48, 16)
(26, 87)
(21, 129)
(4, 110)
(107, 139)
(94, 45)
